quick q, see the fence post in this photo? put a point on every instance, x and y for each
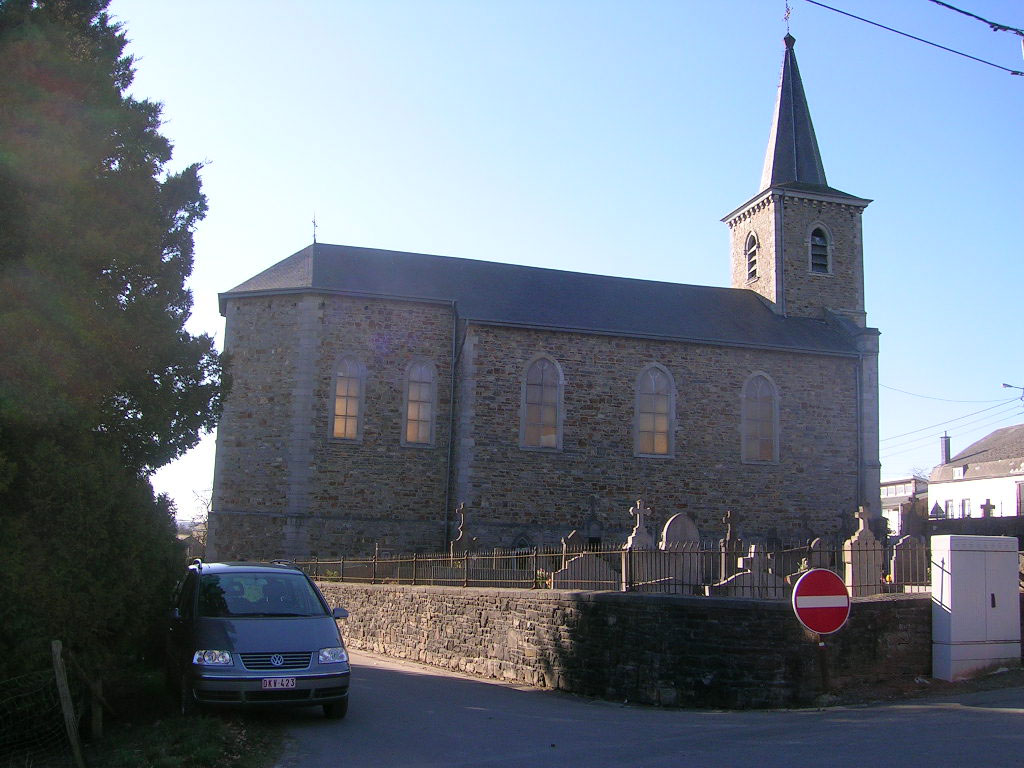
(66, 705)
(465, 568)
(535, 568)
(373, 570)
(341, 568)
(414, 556)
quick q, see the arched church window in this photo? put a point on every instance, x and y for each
(759, 427)
(349, 386)
(420, 398)
(655, 406)
(541, 412)
(820, 251)
(751, 251)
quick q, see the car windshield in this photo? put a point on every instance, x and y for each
(257, 594)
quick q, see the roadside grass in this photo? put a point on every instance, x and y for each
(151, 734)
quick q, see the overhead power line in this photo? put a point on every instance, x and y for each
(919, 39)
(942, 399)
(995, 26)
(968, 426)
(950, 421)
(999, 421)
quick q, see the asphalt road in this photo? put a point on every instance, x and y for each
(408, 715)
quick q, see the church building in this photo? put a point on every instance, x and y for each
(375, 392)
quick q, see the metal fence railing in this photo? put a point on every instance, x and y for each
(698, 568)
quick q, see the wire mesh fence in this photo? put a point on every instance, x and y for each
(708, 568)
(33, 731)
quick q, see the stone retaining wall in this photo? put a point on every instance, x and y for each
(652, 649)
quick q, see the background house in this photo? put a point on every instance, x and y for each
(986, 479)
(905, 505)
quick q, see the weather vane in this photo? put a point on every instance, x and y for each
(314, 229)
(785, 16)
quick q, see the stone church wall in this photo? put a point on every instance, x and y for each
(843, 288)
(517, 496)
(806, 292)
(285, 487)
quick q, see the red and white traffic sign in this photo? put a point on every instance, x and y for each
(821, 601)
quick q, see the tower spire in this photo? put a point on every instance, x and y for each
(792, 155)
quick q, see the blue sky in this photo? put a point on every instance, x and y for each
(611, 137)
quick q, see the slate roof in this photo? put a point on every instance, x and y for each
(998, 454)
(793, 160)
(533, 297)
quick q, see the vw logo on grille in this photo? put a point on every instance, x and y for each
(277, 660)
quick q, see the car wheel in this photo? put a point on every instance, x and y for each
(336, 709)
(186, 698)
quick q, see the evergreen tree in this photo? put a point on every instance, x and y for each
(100, 383)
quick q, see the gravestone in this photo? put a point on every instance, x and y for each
(909, 564)
(586, 571)
(753, 580)
(572, 545)
(460, 544)
(593, 530)
(679, 530)
(819, 554)
(639, 566)
(863, 556)
(730, 547)
(680, 547)
(641, 537)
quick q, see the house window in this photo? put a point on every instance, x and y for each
(541, 411)
(965, 508)
(348, 401)
(759, 423)
(820, 251)
(1020, 499)
(751, 251)
(947, 508)
(655, 406)
(420, 389)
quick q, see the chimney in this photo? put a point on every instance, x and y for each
(944, 449)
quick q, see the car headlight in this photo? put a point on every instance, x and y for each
(219, 658)
(332, 655)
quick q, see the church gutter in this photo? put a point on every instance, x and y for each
(451, 425)
(860, 433)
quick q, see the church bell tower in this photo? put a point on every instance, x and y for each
(798, 241)
(798, 244)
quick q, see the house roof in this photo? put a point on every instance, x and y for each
(998, 454)
(533, 297)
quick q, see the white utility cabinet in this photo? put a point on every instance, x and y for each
(975, 605)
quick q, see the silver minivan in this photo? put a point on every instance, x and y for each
(255, 634)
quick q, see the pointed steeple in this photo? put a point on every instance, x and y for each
(792, 154)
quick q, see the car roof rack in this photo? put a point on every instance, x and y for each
(281, 561)
(197, 563)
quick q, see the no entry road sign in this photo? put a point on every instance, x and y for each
(821, 601)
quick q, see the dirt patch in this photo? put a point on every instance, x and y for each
(921, 687)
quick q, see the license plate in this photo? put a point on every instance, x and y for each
(270, 683)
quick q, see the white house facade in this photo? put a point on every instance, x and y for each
(986, 479)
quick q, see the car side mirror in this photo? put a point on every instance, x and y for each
(339, 613)
(175, 614)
